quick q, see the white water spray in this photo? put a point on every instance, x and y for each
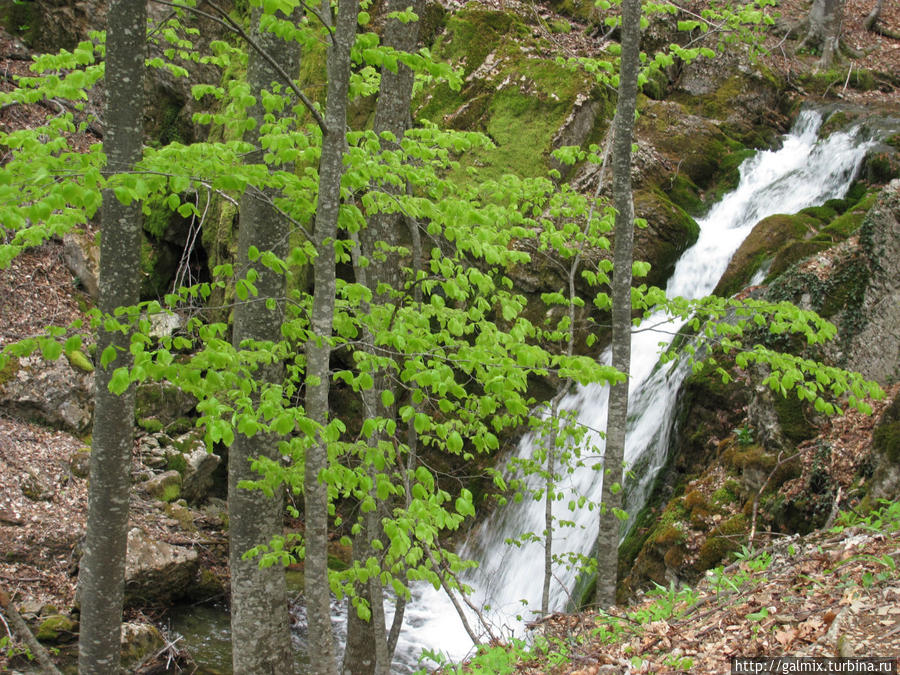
(805, 171)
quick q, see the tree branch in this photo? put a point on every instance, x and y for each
(227, 22)
(37, 649)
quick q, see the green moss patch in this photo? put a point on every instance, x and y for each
(771, 236)
(521, 101)
(722, 540)
(670, 231)
(56, 628)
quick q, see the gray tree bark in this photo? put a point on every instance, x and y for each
(260, 626)
(101, 582)
(623, 254)
(824, 30)
(318, 348)
(368, 649)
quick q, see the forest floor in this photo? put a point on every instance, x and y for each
(824, 594)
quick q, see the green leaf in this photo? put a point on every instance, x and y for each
(108, 356)
(387, 398)
(454, 442)
(119, 381)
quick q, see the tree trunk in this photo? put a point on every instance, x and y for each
(318, 349)
(824, 32)
(368, 650)
(259, 611)
(623, 253)
(102, 569)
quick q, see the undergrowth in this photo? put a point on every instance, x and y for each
(669, 603)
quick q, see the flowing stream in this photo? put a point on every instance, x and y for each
(805, 171)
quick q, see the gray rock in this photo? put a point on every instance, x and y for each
(875, 350)
(140, 642)
(157, 572)
(197, 480)
(36, 487)
(165, 486)
(51, 392)
(81, 255)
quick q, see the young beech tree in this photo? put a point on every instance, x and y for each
(318, 345)
(623, 258)
(101, 581)
(259, 613)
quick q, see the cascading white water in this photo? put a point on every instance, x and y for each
(805, 171)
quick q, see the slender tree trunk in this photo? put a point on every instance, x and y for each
(623, 253)
(102, 570)
(259, 611)
(549, 485)
(318, 350)
(368, 649)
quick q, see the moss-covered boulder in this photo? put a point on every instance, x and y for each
(527, 103)
(164, 403)
(140, 641)
(670, 231)
(57, 628)
(749, 104)
(687, 156)
(885, 483)
(770, 240)
(165, 486)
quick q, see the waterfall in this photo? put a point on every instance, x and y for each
(804, 171)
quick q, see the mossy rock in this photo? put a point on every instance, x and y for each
(693, 144)
(139, 642)
(57, 628)
(792, 419)
(559, 26)
(881, 165)
(21, 19)
(518, 99)
(848, 222)
(684, 193)
(471, 34)
(703, 399)
(179, 511)
(670, 231)
(831, 82)
(824, 214)
(583, 10)
(766, 240)
(165, 487)
(722, 540)
(726, 494)
(657, 84)
(752, 463)
(886, 437)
